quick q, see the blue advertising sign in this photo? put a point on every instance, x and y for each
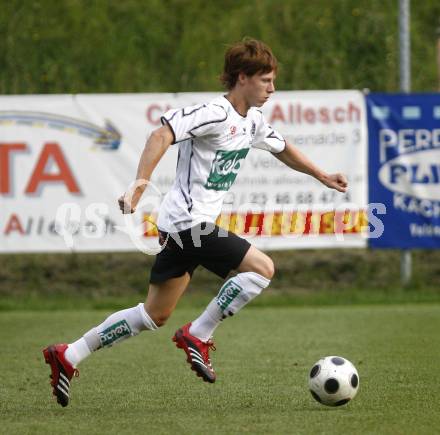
(404, 168)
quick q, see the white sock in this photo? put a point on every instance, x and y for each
(234, 294)
(117, 327)
(77, 351)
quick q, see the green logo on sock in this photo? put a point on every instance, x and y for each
(227, 294)
(115, 332)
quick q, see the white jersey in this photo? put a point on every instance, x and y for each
(213, 141)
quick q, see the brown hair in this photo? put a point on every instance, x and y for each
(249, 56)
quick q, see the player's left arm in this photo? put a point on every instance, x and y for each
(295, 159)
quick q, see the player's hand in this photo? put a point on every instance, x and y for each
(126, 204)
(129, 200)
(336, 181)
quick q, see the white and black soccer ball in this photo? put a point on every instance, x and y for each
(333, 381)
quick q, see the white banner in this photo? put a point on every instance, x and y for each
(64, 161)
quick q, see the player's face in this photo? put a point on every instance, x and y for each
(259, 87)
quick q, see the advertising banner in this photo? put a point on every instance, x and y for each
(65, 160)
(404, 168)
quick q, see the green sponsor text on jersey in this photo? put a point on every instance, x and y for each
(224, 169)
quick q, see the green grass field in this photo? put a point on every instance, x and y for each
(262, 360)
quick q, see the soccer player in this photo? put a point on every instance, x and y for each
(213, 141)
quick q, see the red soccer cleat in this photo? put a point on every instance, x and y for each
(62, 372)
(197, 353)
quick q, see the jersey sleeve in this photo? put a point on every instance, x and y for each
(266, 138)
(194, 121)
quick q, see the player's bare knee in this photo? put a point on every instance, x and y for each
(267, 268)
(264, 267)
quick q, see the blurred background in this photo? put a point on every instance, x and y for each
(75, 46)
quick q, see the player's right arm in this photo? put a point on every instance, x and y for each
(156, 146)
(178, 125)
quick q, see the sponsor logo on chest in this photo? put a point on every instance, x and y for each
(224, 169)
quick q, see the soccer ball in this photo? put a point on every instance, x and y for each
(333, 381)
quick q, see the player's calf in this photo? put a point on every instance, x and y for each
(64, 358)
(195, 338)
(235, 293)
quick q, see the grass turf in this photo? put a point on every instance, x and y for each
(263, 359)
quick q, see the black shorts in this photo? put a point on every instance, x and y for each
(217, 250)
